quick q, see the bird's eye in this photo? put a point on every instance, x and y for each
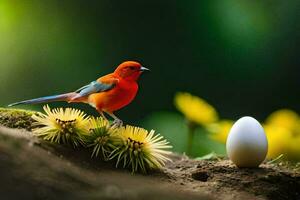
(132, 68)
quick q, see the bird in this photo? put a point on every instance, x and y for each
(107, 94)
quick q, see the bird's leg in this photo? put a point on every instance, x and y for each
(117, 122)
(102, 114)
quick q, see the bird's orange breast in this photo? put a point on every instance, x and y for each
(121, 95)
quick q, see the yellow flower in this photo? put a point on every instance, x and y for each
(294, 148)
(140, 150)
(278, 141)
(101, 137)
(195, 109)
(220, 130)
(61, 125)
(285, 118)
(285, 137)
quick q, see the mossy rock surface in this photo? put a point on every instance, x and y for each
(16, 118)
(31, 168)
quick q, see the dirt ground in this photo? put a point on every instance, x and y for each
(34, 169)
(222, 180)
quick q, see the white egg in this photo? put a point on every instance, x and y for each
(247, 143)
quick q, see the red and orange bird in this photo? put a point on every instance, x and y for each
(107, 94)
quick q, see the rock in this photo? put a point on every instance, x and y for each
(34, 169)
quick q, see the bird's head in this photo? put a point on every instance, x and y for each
(130, 70)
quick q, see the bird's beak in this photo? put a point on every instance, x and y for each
(143, 69)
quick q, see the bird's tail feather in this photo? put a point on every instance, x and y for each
(59, 97)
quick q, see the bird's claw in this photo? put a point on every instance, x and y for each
(117, 123)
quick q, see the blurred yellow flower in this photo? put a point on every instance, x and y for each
(294, 148)
(283, 132)
(279, 139)
(285, 118)
(195, 109)
(220, 130)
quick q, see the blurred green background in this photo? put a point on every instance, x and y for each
(242, 56)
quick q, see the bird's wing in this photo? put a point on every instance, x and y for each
(95, 87)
